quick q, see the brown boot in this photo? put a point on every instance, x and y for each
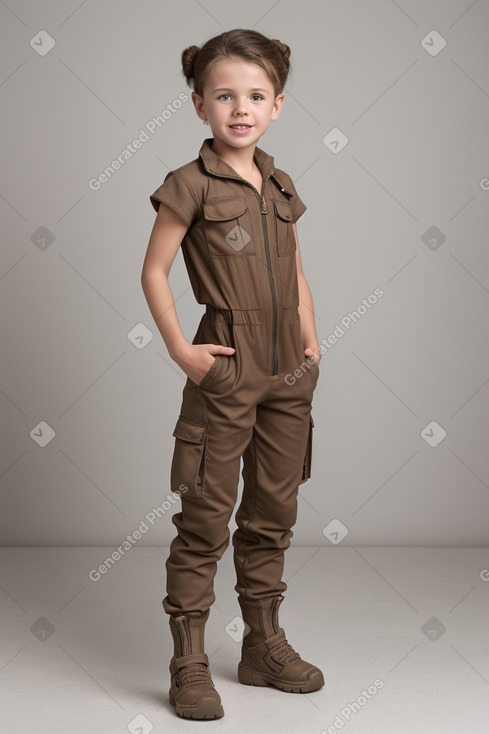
(192, 690)
(266, 656)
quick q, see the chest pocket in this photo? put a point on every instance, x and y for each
(285, 239)
(228, 228)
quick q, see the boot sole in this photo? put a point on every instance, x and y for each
(251, 677)
(205, 708)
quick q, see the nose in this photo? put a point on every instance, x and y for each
(241, 108)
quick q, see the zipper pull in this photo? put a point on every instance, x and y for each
(263, 206)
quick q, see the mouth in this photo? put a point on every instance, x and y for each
(240, 127)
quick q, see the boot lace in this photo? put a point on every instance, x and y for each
(284, 653)
(195, 674)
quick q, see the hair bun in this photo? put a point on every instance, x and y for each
(284, 50)
(188, 62)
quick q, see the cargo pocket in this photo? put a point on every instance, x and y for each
(285, 238)
(228, 228)
(306, 469)
(187, 475)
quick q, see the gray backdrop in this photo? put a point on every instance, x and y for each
(384, 132)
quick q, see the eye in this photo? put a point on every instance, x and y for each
(223, 95)
(257, 95)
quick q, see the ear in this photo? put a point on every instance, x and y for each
(199, 105)
(277, 106)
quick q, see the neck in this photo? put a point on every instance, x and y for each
(237, 158)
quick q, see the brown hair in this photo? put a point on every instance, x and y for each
(272, 55)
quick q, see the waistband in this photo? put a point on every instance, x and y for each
(249, 316)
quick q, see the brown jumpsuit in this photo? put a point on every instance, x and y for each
(239, 251)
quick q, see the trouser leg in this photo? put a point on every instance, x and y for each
(272, 472)
(206, 460)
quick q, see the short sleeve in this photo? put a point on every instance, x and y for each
(297, 205)
(175, 193)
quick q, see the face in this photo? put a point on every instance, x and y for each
(238, 93)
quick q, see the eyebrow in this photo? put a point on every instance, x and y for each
(227, 89)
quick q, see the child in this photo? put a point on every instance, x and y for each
(234, 215)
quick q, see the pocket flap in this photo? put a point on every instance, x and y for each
(187, 431)
(224, 210)
(284, 210)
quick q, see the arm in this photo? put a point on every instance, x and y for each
(167, 234)
(310, 340)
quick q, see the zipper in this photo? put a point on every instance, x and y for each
(271, 281)
(183, 634)
(275, 615)
(272, 289)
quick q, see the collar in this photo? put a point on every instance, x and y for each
(216, 165)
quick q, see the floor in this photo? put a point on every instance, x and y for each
(401, 634)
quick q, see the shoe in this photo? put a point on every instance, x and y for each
(192, 689)
(267, 659)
